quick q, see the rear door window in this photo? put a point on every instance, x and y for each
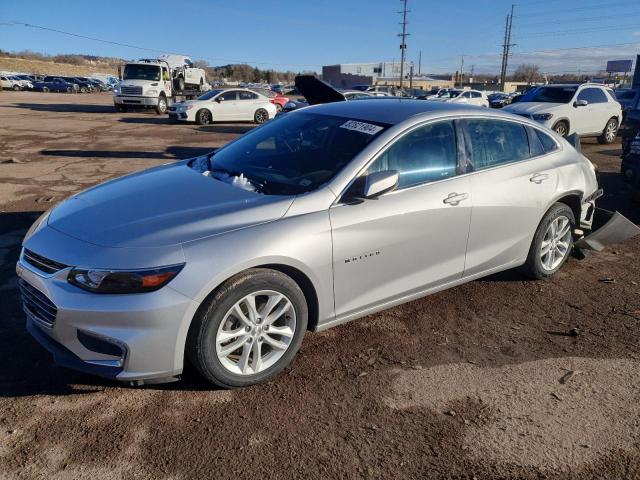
(592, 95)
(229, 96)
(548, 143)
(491, 143)
(248, 96)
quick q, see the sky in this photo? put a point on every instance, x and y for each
(569, 36)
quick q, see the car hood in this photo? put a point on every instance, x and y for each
(166, 205)
(317, 91)
(533, 107)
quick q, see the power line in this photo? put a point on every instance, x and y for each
(137, 47)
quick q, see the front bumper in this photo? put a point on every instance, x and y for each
(134, 101)
(131, 337)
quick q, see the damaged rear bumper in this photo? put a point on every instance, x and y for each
(612, 228)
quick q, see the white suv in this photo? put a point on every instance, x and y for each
(590, 110)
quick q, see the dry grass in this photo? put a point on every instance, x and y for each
(52, 68)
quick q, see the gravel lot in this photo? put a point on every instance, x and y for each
(475, 382)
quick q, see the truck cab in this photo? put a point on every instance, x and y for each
(156, 83)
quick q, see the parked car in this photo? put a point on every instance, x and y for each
(627, 98)
(234, 104)
(277, 99)
(229, 258)
(499, 100)
(55, 84)
(353, 94)
(84, 86)
(470, 97)
(292, 105)
(9, 83)
(590, 110)
(279, 89)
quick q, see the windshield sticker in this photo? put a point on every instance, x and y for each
(361, 127)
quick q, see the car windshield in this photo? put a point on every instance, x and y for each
(449, 94)
(296, 153)
(210, 94)
(550, 94)
(142, 72)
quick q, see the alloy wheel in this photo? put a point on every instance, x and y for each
(256, 332)
(611, 131)
(561, 129)
(555, 243)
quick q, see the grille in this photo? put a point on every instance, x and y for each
(37, 304)
(131, 90)
(41, 263)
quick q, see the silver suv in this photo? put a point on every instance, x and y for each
(323, 216)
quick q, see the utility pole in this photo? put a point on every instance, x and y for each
(506, 47)
(461, 70)
(420, 62)
(403, 36)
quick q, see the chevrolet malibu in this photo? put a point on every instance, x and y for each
(323, 216)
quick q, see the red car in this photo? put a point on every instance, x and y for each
(277, 99)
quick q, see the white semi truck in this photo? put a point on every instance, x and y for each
(157, 83)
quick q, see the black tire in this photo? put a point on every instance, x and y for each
(533, 267)
(83, 89)
(69, 89)
(278, 107)
(45, 90)
(16, 88)
(203, 117)
(161, 107)
(261, 116)
(609, 133)
(201, 340)
(561, 128)
(179, 83)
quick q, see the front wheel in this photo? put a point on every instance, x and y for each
(161, 107)
(552, 242)
(609, 133)
(16, 88)
(561, 128)
(45, 89)
(249, 330)
(203, 117)
(261, 116)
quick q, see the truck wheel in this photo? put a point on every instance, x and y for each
(261, 116)
(161, 107)
(609, 133)
(203, 117)
(179, 83)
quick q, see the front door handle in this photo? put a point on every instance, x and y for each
(455, 198)
(539, 178)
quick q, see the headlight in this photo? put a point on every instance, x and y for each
(152, 92)
(119, 281)
(542, 116)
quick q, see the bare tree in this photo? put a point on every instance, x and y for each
(527, 72)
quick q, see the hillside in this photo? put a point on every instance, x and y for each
(42, 67)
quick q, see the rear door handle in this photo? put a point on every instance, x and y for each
(539, 178)
(455, 198)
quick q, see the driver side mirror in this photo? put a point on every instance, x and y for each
(580, 103)
(379, 183)
(219, 99)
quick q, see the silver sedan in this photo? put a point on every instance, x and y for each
(320, 217)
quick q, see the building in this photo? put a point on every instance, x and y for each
(346, 75)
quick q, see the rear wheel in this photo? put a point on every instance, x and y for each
(83, 89)
(552, 242)
(261, 116)
(45, 89)
(561, 128)
(203, 117)
(609, 133)
(278, 107)
(161, 107)
(249, 330)
(16, 88)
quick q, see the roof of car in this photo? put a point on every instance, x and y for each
(394, 110)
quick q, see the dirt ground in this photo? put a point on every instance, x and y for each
(475, 382)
